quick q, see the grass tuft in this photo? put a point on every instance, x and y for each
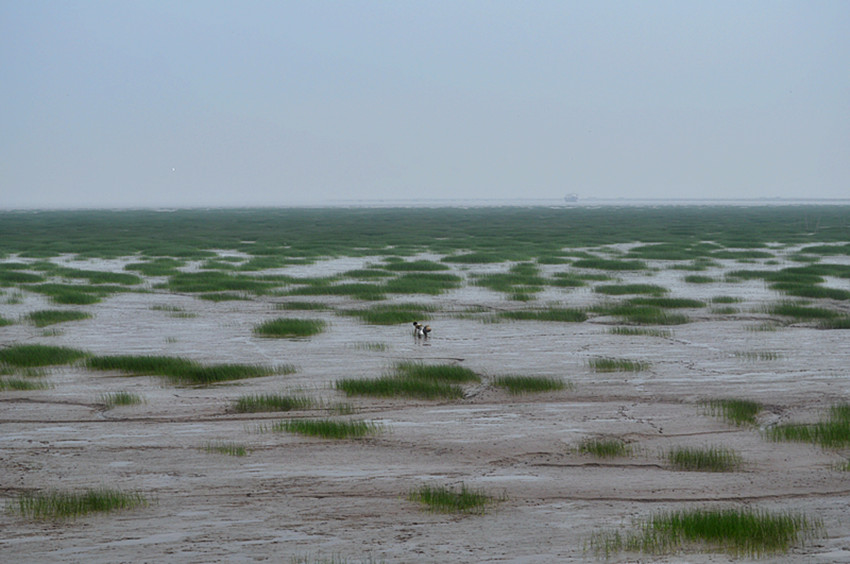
(617, 365)
(284, 327)
(39, 355)
(63, 505)
(741, 532)
(328, 428)
(604, 447)
(183, 371)
(113, 399)
(735, 411)
(413, 379)
(709, 459)
(230, 449)
(257, 403)
(529, 384)
(46, 317)
(447, 500)
(832, 432)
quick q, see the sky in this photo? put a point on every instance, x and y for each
(164, 103)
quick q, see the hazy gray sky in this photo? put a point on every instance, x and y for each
(169, 103)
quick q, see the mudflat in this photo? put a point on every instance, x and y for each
(292, 497)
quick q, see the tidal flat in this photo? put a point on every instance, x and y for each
(526, 294)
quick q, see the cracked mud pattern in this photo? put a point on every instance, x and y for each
(293, 496)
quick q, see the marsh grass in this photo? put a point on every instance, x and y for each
(835, 323)
(706, 459)
(617, 365)
(738, 531)
(758, 356)
(183, 371)
(356, 290)
(429, 283)
(68, 504)
(516, 384)
(113, 399)
(642, 314)
(11, 384)
(39, 355)
(801, 312)
(285, 327)
(609, 264)
(552, 313)
(831, 432)
(725, 300)
(448, 500)
(737, 411)
(391, 314)
(623, 289)
(633, 331)
(71, 294)
(669, 303)
(228, 448)
(328, 428)
(413, 379)
(256, 403)
(46, 317)
(302, 306)
(603, 447)
(214, 281)
(372, 347)
(415, 266)
(699, 279)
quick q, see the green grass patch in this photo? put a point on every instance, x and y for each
(228, 448)
(831, 432)
(214, 281)
(698, 279)
(413, 379)
(391, 314)
(604, 447)
(183, 371)
(328, 428)
(623, 289)
(449, 500)
(46, 317)
(835, 323)
(610, 264)
(12, 384)
(113, 399)
(284, 327)
(669, 303)
(516, 384)
(737, 411)
(69, 504)
(617, 365)
(257, 403)
(739, 531)
(565, 315)
(725, 300)
(801, 312)
(156, 267)
(415, 266)
(429, 283)
(360, 291)
(39, 355)
(302, 306)
(646, 331)
(706, 459)
(757, 356)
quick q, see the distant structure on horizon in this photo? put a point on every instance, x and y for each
(571, 198)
